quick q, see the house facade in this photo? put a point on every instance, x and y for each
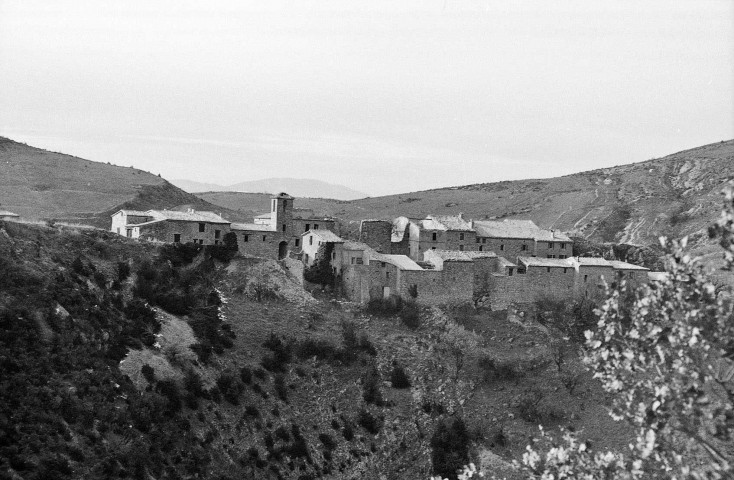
(170, 226)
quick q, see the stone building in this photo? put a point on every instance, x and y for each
(378, 235)
(514, 238)
(303, 221)
(312, 240)
(270, 239)
(204, 228)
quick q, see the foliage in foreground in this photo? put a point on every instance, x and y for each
(665, 356)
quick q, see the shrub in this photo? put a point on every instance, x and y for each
(321, 349)
(278, 360)
(369, 422)
(410, 315)
(496, 370)
(231, 387)
(246, 375)
(260, 374)
(282, 433)
(328, 441)
(371, 387)
(280, 388)
(398, 377)
(450, 447)
(348, 431)
(148, 373)
(123, 271)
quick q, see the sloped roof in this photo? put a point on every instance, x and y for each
(453, 222)
(352, 245)
(545, 262)
(429, 223)
(265, 215)
(619, 265)
(251, 227)
(452, 255)
(521, 229)
(483, 254)
(593, 262)
(503, 262)
(190, 216)
(282, 195)
(135, 213)
(325, 235)
(400, 261)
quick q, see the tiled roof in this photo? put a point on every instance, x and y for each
(452, 255)
(400, 261)
(593, 262)
(453, 222)
(326, 235)
(190, 216)
(251, 227)
(352, 245)
(618, 265)
(429, 223)
(484, 254)
(522, 229)
(545, 262)
(503, 262)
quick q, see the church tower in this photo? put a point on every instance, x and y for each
(281, 214)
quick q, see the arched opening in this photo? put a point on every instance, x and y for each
(282, 250)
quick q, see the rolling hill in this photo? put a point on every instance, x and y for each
(675, 195)
(38, 184)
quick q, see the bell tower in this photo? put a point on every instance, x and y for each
(281, 214)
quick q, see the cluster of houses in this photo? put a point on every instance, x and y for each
(435, 260)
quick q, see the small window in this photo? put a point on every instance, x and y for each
(315, 226)
(563, 246)
(550, 244)
(298, 242)
(387, 275)
(310, 240)
(176, 238)
(433, 248)
(547, 269)
(520, 271)
(481, 247)
(202, 226)
(502, 247)
(565, 270)
(562, 256)
(285, 204)
(217, 233)
(265, 237)
(382, 264)
(524, 248)
(284, 227)
(274, 204)
(509, 272)
(433, 236)
(586, 278)
(354, 259)
(484, 240)
(551, 256)
(461, 236)
(478, 239)
(461, 248)
(129, 232)
(246, 238)
(333, 255)
(308, 227)
(360, 261)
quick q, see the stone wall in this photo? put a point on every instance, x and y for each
(510, 248)
(537, 283)
(454, 241)
(403, 246)
(543, 249)
(589, 281)
(166, 230)
(453, 285)
(250, 242)
(377, 234)
(382, 275)
(354, 282)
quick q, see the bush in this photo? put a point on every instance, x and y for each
(496, 370)
(385, 306)
(282, 433)
(280, 388)
(369, 422)
(328, 441)
(278, 360)
(348, 432)
(450, 447)
(410, 315)
(246, 375)
(148, 373)
(398, 377)
(231, 387)
(371, 387)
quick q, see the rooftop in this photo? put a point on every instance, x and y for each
(503, 263)
(453, 222)
(400, 261)
(251, 227)
(325, 235)
(352, 245)
(189, 216)
(545, 262)
(593, 262)
(522, 229)
(619, 265)
(135, 213)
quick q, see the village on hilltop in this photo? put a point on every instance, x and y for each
(443, 259)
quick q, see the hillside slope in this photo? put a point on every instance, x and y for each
(39, 184)
(675, 195)
(299, 187)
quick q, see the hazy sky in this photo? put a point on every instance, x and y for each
(381, 96)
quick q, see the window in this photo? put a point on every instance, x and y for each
(547, 269)
(333, 255)
(550, 244)
(308, 227)
(433, 248)
(310, 240)
(502, 247)
(245, 238)
(520, 271)
(360, 261)
(461, 236)
(216, 242)
(129, 232)
(586, 278)
(354, 259)
(551, 256)
(382, 264)
(284, 227)
(201, 227)
(481, 247)
(387, 275)
(298, 242)
(176, 238)
(118, 230)
(305, 257)
(315, 226)
(565, 270)
(563, 246)
(509, 272)
(265, 237)
(478, 239)
(524, 248)
(217, 233)
(285, 203)
(461, 248)
(273, 204)
(562, 256)
(484, 240)
(433, 236)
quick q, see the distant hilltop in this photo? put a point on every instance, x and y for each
(298, 187)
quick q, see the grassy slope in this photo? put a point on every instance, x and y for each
(38, 184)
(675, 195)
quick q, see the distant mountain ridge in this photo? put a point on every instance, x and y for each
(299, 187)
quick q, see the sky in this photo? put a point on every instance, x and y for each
(380, 96)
